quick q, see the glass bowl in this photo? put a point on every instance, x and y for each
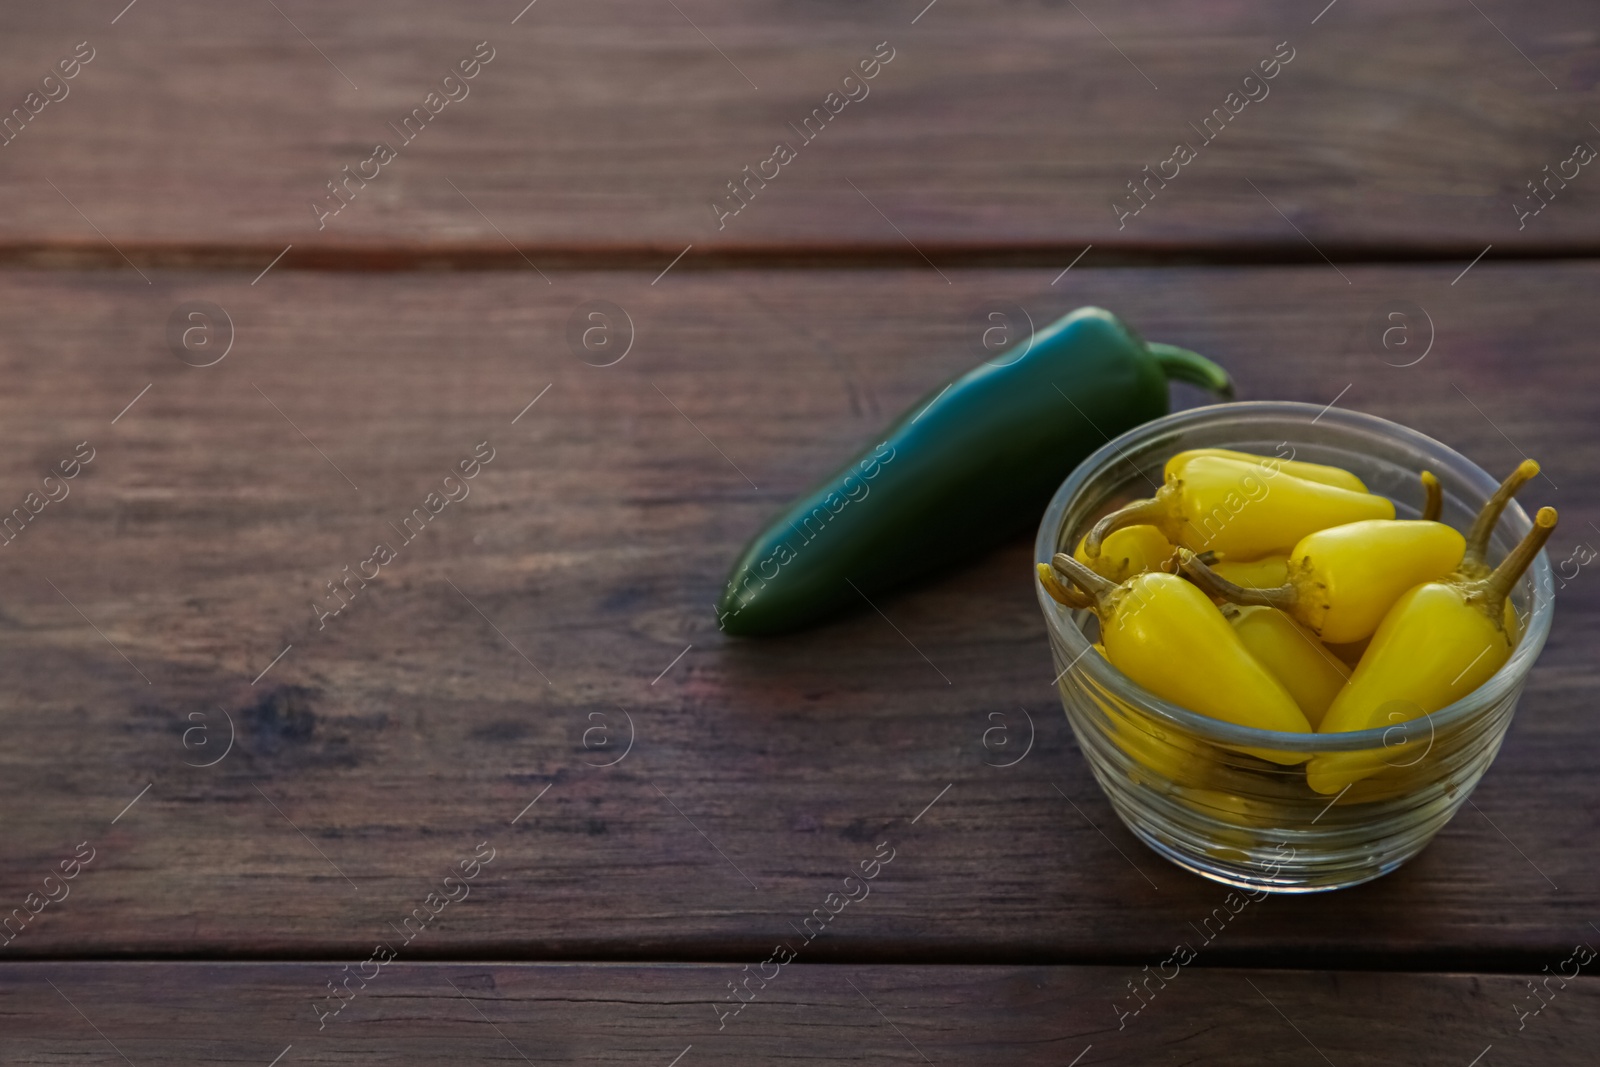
(1187, 784)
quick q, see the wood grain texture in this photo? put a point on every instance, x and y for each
(634, 1014)
(566, 590)
(606, 129)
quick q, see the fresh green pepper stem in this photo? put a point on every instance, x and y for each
(1151, 512)
(1182, 365)
(1477, 551)
(1097, 586)
(1214, 584)
(1433, 503)
(1493, 590)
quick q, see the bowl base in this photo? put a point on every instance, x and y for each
(1286, 881)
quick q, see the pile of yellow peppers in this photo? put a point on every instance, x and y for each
(1285, 596)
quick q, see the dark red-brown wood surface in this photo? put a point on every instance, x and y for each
(472, 1012)
(268, 790)
(537, 616)
(607, 128)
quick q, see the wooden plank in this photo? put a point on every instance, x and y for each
(410, 1013)
(606, 130)
(498, 660)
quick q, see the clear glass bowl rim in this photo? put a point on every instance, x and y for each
(1502, 683)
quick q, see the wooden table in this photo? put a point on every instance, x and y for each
(264, 791)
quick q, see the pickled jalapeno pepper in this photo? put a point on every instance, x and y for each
(1164, 634)
(1311, 674)
(1342, 580)
(1241, 509)
(1311, 472)
(1128, 551)
(1439, 642)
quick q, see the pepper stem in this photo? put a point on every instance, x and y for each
(1433, 503)
(1477, 551)
(1065, 595)
(1182, 365)
(1213, 584)
(1493, 590)
(1096, 586)
(1151, 512)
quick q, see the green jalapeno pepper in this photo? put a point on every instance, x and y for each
(967, 467)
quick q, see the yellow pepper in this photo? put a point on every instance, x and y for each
(1160, 756)
(1241, 510)
(1264, 573)
(1343, 580)
(1166, 636)
(1349, 652)
(1128, 551)
(1311, 674)
(1340, 582)
(1439, 642)
(1311, 472)
(1231, 808)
